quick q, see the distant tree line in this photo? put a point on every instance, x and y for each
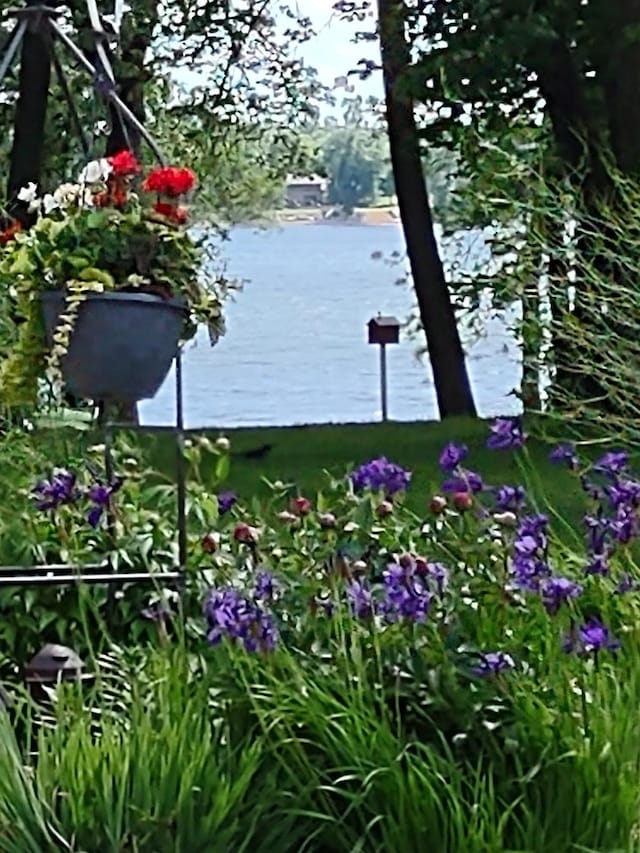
(353, 154)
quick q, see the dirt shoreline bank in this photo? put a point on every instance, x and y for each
(378, 216)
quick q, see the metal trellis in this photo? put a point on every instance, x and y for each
(42, 19)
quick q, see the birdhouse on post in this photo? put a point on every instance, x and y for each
(383, 331)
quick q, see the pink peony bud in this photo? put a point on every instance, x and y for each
(463, 501)
(438, 504)
(300, 506)
(384, 509)
(210, 543)
(327, 520)
(246, 534)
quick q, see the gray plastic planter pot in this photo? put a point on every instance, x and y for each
(122, 344)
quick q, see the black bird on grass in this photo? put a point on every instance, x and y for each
(256, 453)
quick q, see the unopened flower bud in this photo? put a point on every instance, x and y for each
(438, 504)
(300, 506)
(210, 543)
(223, 445)
(422, 567)
(462, 501)
(506, 519)
(246, 534)
(384, 509)
(287, 516)
(327, 520)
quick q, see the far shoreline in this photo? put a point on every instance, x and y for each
(370, 216)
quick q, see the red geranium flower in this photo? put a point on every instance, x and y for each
(170, 211)
(170, 181)
(9, 233)
(124, 164)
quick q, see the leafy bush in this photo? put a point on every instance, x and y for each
(373, 679)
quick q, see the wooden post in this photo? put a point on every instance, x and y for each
(383, 381)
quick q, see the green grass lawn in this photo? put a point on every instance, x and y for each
(300, 455)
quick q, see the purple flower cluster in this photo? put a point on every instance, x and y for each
(506, 434)
(381, 474)
(615, 519)
(54, 493)
(529, 559)
(590, 639)
(408, 589)
(406, 595)
(233, 616)
(62, 489)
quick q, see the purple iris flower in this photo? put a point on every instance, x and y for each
(233, 616)
(624, 526)
(452, 456)
(438, 576)
(623, 492)
(361, 600)
(464, 481)
(265, 586)
(53, 493)
(534, 525)
(556, 591)
(509, 497)
(529, 564)
(406, 595)
(565, 453)
(597, 533)
(590, 638)
(100, 496)
(381, 474)
(506, 434)
(627, 584)
(598, 564)
(613, 463)
(226, 500)
(493, 663)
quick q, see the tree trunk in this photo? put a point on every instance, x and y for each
(580, 148)
(29, 121)
(452, 385)
(621, 81)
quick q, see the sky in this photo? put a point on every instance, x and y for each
(332, 51)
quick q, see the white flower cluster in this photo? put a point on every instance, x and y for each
(68, 195)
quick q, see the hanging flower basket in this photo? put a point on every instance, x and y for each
(121, 345)
(117, 278)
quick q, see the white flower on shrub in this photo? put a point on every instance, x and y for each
(95, 172)
(29, 195)
(68, 195)
(49, 204)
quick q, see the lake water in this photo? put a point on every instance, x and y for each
(296, 348)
